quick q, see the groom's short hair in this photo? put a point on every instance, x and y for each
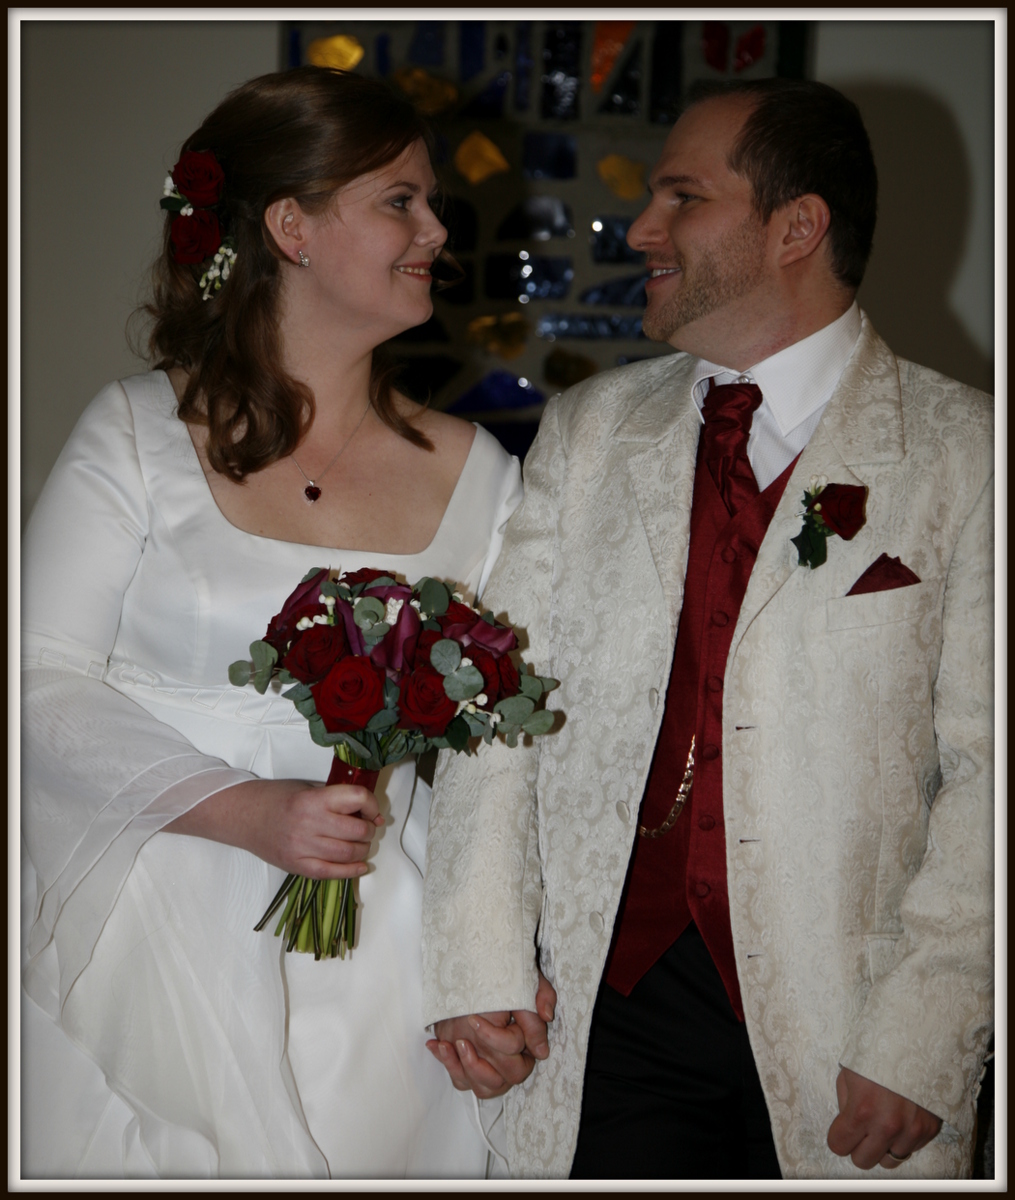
(800, 137)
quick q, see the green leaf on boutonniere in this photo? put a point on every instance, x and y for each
(173, 203)
(811, 544)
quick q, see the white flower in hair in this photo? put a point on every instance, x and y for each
(187, 210)
(168, 188)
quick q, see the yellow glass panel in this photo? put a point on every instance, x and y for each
(623, 176)
(342, 52)
(477, 158)
(429, 94)
(504, 335)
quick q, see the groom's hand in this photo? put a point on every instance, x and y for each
(876, 1125)
(488, 1053)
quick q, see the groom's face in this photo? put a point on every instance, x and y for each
(707, 250)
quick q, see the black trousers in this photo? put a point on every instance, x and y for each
(671, 1090)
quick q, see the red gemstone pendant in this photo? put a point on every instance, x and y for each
(312, 492)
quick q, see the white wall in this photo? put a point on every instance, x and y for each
(105, 106)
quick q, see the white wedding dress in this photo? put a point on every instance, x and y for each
(200, 1050)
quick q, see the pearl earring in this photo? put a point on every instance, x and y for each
(304, 261)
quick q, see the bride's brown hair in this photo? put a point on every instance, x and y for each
(302, 133)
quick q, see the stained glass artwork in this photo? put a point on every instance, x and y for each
(427, 46)
(715, 44)
(498, 389)
(622, 175)
(477, 158)
(667, 72)
(430, 331)
(581, 325)
(504, 333)
(609, 241)
(749, 49)
(610, 39)
(539, 218)
(460, 219)
(462, 292)
(515, 436)
(422, 376)
(341, 52)
(527, 277)
(549, 156)
(295, 51)
(471, 49)
(382, 51)
(429, 94)
(624, 96)
(489, 104)
(523, 65)
(561, 71)
(563, 369)
(628, 292)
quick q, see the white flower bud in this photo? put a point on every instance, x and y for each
(304, 623)
(187, 210)
(320, 619)
(466, 662)
(496, 718)
(392, 609)
(481, 699)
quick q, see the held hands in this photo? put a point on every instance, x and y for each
(320, 832)
(488, 1053)
(876, 1125)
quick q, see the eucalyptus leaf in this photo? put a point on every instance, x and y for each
(261, 679)
(390, 693)
(434, 598)
(489, 733)
(512, 737)
(445, 656)
(489, 618)
(329, 588)
(440, 743)
(434, 625)
(239, 673)
(509, 729)
(319, 734)
(530, 686)
(368, 611)
(477, 724)
(548, 683)
(311, 573)
(306, 707)
(515, 709)
(382, 581)
(361, 749)
(457, 734)
(382, 720)
(538, 723)
(465, 683)
(263, 655)
(376, 633)
(284, 676)
(300, 692)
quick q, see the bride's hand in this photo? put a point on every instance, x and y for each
(321, 832)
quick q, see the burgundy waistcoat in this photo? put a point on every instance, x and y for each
(681, 876)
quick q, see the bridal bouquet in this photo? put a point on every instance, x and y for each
(381, 670)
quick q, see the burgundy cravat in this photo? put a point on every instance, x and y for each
(727, 412)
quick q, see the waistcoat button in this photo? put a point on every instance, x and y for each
(715, 683)
(720, 618)
(706, 822)
(710, 752)
(728, 554)
(596, 922)
(701, 890)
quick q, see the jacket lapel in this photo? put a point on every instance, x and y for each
(862, 426)
(659, 440)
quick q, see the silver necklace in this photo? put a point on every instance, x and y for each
(313, 489)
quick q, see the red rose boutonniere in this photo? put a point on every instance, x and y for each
(829, 508)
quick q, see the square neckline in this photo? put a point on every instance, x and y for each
(209, 495)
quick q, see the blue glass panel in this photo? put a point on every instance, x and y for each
(489, 104)
(427, 46)
(549, 156)
(499, 389)
(515, 436)
(581, 325)
(523, 65)
(628, 292)
(538, 217)
(529, 277)
(561, 71)
(295, 56)
(667, 71)
(471, 49)
(609, 241)
(383, 51)
(624, 95)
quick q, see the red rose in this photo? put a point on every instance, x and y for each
(510, 682)
(842, 508)
(363, 575)
(349, 695)
(196, 237)
(458, 614)
(199, 178)
(423, 647)
(424, 703)
(315, 652)
(486, 664)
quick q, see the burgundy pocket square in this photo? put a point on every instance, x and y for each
(882, 575)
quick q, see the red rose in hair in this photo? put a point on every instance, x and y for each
(349, 695)
(424, 646)
(196, 237)
(486, 664)
(315, 652)
(842, 507)
(199, 178)
(423, 702)
(510, 682)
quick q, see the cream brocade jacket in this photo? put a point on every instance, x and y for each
(857, 757)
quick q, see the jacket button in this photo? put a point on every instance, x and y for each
(596, 922)
(715, 683)
(653, 697)
(701, 889)
(710, 753)
(720, 618)
(706, 822)
(728, 554)
(623, 811)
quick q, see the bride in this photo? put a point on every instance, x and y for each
(164, 1038)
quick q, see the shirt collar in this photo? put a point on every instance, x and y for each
(799, 379)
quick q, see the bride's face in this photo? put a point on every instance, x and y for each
(370, 251)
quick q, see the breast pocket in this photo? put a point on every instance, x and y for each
(883, 608)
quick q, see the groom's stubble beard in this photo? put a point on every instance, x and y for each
(721, 273)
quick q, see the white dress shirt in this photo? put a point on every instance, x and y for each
(796, 385)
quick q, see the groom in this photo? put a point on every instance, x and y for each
(755, 860)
